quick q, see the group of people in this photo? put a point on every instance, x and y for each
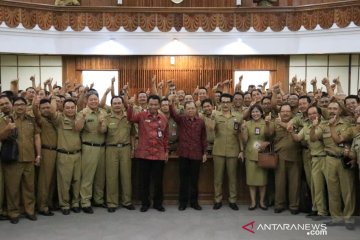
(75, 147)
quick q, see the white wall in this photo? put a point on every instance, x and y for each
(345, 66)
(22, 67)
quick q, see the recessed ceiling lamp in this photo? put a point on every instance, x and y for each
(177, 1)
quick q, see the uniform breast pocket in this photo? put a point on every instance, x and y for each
(67, 126)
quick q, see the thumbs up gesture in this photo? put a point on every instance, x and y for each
(315, 121)
(332, 121)
(278, 119)
(268, 118)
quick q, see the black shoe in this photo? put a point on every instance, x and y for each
(144, 208)
(75, 209)
(233, 206)
(31, 217)
(129, 207)
(196, 206)
(334, 224)
(278, 210)
(3, 217)
(319, 218)
(294, 211)
(65, 211)
(312, 214)
(350, 226)
(46, 213)
(160, 208)
(14, 220)
(182, 207)
(88, 210)
(265, 208)
(111, 209)
(217, 205)
(251, 208)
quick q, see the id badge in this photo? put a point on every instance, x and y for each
(257, 131)
(341, 145)
(159, 133)
(236, 125)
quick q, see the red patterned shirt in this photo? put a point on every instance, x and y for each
(192, 136)
(153, 134)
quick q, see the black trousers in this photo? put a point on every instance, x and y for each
(189, 178)
(151, 170)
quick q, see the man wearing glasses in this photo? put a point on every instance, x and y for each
(226, 151)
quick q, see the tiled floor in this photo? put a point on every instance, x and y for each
(224, 224)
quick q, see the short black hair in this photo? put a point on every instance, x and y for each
(30, 88)
(44, 100)
(154, 97)
(352, 97)
(283, 105)
(164, 100)
(69, 100)
(317, 108)
(256, 90)
(227, 96)
(266, 97)
(207, 100)
(19, 98)
(203, 88)
(238, 93)
(257, 106)
(111, 101)
(308, 99)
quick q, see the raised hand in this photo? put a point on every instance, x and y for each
(325, 81)
(278, 119)
(268, 118)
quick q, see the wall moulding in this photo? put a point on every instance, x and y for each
(226, 19)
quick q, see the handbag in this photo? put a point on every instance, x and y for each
(268, 159)
(10, 149)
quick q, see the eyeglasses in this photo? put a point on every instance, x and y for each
(225, 102)
(358, 123)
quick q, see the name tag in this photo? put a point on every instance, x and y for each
(147, 120)
(257, 131)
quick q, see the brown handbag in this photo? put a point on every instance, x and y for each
(268, 159)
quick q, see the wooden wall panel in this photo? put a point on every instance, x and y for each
(185, 3)
(187, 73)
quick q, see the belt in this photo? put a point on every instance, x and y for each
(94, 144)
(119, 145)
(318, 156)
(48, 147)
(68, 152)
(332, 155)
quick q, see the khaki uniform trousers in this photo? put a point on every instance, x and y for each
(288, 173)
(231, 167)
(341, 190)
(118, 169)
(47, 179)
(68, 179)
(92, 175)
(2, 185)
(318, 191)
(19, 185)
(306, 157)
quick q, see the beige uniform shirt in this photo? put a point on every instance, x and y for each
(48, 132)
(227, 139)
(330, 146)
(90, 132)
(68, 139)
(119, 130)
